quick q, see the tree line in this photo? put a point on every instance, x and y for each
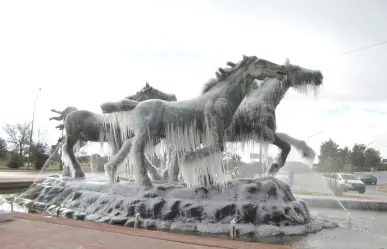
(17, 147)
(16, 150)
(332, 158)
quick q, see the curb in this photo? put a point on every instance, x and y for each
(374, 205)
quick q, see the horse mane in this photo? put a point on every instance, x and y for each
(223, 73)
(147, 87)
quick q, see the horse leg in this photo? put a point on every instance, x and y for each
(68, 151)
(137, 153)
(280, 160)
(66, 172)
(112, 172)
(173, 167)
(300, 145)
(153, 171)
(117, 159)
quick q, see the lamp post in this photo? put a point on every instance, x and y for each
(32, 128)
(372, 142)
(315, 134)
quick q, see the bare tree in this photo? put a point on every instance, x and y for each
(18, 135)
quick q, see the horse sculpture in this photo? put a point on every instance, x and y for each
(255, 118)
(201, 120)
(82, 125)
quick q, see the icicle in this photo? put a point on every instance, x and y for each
(198, 172)
(233, 229)
(136, 220)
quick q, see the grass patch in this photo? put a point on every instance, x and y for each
(382, 188)
(7, 191)
(306, 192)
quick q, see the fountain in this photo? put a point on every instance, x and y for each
(238, 207)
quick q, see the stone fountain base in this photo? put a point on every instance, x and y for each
(260, 207)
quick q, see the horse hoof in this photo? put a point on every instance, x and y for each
(79, 174)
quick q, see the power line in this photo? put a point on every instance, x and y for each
(363, 48)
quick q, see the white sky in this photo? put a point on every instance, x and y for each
(84, 53)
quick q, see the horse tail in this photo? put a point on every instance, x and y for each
(300, 145)
(67, 111)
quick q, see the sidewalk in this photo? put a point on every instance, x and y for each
(39, 232)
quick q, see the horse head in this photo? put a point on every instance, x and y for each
(303, 79)
(149, 92)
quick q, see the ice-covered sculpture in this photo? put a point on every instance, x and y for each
(86, 126)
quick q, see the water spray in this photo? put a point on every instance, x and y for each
(43, 168)
(346, 211)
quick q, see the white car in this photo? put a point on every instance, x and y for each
(342, 182)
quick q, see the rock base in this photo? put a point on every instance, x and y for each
(259, 207)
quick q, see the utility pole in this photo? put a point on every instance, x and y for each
(32, 129)
(314, 135)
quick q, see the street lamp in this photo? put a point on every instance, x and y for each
(314, 135)
(372, 142)
(32, 127)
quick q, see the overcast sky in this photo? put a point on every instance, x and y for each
(84, 53)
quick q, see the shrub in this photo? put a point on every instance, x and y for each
(15, 162)
(40, 160)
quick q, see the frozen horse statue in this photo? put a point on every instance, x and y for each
(255, 119)
(185, 125)
(82, 125)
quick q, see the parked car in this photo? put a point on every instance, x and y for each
(369, 179)
(343, 182)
